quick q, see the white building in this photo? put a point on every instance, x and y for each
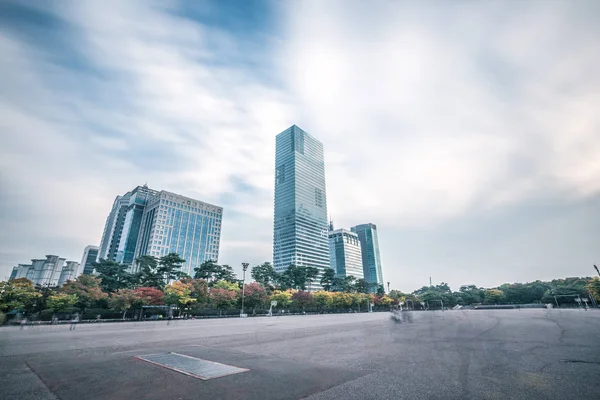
(49, 272)
(345, 253)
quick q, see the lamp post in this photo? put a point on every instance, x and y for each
(244, 267)
(598, 271)
(388, 286)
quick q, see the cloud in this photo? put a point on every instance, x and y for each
(440, 122)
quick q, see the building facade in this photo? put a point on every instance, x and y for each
(121, 231)
(172, 223)
(345, 253)
(300, 234)
(371, 260)
(50, 272)
(90, 256)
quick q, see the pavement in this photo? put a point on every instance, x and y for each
(473, 354)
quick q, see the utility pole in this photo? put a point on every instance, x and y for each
(244, 267)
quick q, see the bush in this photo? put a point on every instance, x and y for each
(2, 318)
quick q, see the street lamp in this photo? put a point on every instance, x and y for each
(388, 286)
(244, 267)
(597, 269)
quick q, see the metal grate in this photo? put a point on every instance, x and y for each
(191, 366)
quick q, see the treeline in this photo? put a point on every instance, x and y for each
(214, 289)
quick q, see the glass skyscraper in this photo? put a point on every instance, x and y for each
(300, 234)
(345, 254)
(172, 223)
(371, 260)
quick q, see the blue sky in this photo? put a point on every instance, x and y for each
(467, 131)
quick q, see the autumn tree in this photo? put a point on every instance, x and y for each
(255, 295)
(283, 298)
(150, 296)
(179, 293)
(88, 291)
(302, 299)
(124, 299)
(18, 294)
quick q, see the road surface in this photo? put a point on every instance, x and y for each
(475, 354)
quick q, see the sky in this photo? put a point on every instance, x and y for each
(467, 131)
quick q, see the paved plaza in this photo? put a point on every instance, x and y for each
(475, 354)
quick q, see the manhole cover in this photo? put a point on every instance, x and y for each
(191, 366)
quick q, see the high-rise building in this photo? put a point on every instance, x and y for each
(345, 254)
(121, 230)
(68, 272)
(172, 223)
(90, 256)
(50, 271)
(300, 234)
(371, 260)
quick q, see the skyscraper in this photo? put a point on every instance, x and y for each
(172, 223)
(371, 260)
(90, 256)
(345, 254)
(121, 231)
(300, 219)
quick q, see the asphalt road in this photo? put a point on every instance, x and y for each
(476, 354)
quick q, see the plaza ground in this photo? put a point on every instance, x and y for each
(474, 354)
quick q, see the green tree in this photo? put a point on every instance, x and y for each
(327, 279)
(199, 290)
(362, 286)
(124, 299)
(18, 294)
(212, 272)
(169, 267)
(61, 301)
(493, 296)
(222, 298)
(148, 274)
(264, 274)
(312, 274)
(113, 275)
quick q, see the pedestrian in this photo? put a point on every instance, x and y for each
(74, 322)
(23, 322)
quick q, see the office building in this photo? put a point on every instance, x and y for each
(20, 271)
(344, 253)
(371, 260)
(172, 223)
(90, 256)
(121, 231)
(300, 234)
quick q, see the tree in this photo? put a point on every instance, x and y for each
(380, 290)
(18, 294)
(199, 290)
(255, 295)
(124, 299)
(594, 287)
(362, 286)
(264, 274)
(113, 275)
(296, 277)
(88, 291)
(206, 270)
(61, 301)
(283, 298)
(327, 279)
(227, 286)
(311, 274)
(302, 299)
(225, 273)
(322, 299)
(223, 298)
(493, 296)
(150, 296)
(179, 293)
(148, 274)
(169, 267)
